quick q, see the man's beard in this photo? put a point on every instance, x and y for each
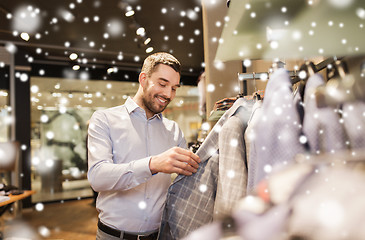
(150, 104)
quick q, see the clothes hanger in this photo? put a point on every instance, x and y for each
(341, 86)
(338, 69)
(309, 68)
(306, 70)
(256, 96)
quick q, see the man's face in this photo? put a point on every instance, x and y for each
(159, 89)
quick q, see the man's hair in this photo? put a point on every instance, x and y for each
(151, 62)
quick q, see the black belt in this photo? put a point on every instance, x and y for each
(127, 236)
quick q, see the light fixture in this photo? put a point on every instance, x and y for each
(25, 36)
(129, 13)
(112, 69)
(150, 49)
(147, 41)
(76, 67)
(141, 31)
(73, 56)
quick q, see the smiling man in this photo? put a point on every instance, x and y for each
(158, 84)
(133, 149)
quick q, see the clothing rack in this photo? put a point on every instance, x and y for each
(294, 74)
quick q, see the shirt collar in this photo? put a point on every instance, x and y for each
(132, 106)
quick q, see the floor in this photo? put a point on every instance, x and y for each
(68, 220)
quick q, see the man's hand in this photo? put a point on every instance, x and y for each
(175, 160)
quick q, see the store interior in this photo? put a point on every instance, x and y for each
(62, 61)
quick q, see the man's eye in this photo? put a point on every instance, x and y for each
(174, 89)
(162, 85)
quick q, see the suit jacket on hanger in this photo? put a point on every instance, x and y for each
(232, 178)
(278, 131)
(321, 126)
(190, 199)
(354, 122)
(250, 135)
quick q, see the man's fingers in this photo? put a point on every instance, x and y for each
(187, 160)
(183, 171)
(193, 163)
(188, 153)
(186, 167)
(195, 157)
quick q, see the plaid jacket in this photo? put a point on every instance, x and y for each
(190, 201)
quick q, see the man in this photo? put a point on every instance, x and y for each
(133, 150)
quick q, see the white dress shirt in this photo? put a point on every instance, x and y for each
(121, 141)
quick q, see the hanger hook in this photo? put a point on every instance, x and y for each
(341, 68)
(309, 68)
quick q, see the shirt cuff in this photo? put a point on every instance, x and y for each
(142, 166)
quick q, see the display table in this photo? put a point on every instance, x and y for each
(14, 198)
(4, 205)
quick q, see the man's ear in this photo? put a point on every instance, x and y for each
(142, 79)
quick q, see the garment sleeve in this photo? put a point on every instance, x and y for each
(103, 173)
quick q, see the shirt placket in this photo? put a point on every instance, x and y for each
(148, 153)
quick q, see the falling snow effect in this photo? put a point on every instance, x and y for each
(203, 188)
(328, 213)
(39, 207)
(26, 19)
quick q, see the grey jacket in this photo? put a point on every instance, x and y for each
(190, 201)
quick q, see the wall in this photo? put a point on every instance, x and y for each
(223, 76)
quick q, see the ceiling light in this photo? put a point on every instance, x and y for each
(150, 49)
(140, 31)
(25, 36)
(73, 56)
(147, 41)
(112, 69)
(129, 13)
(76, 67)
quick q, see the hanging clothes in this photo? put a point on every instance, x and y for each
(299, 100)
(277, 132)
(190, 201)
(250, 135)
(322, 127)
(232, 174)
(312, 209)
(291, 186)
(354, 122)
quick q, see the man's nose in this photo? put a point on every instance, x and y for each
(167, 93)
